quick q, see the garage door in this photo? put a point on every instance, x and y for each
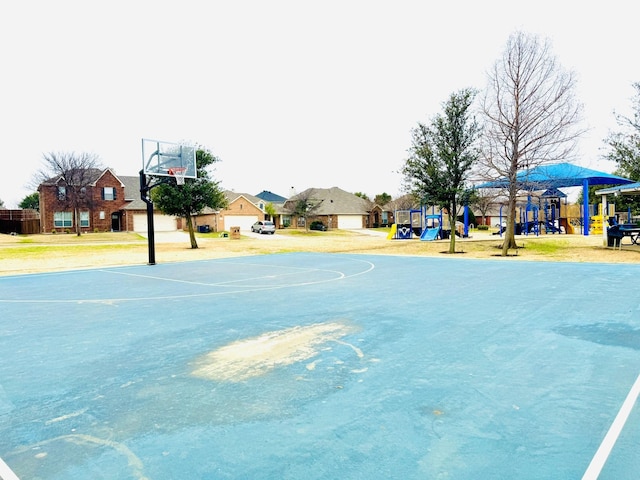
(242, 221)
(161, 223)
(347, 222)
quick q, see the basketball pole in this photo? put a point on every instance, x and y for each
(171, 161)
(145, 196)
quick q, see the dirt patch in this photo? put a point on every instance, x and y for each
(251, 357)
(42, 253)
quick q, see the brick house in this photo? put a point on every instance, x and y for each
(243, 210)
(99, 196)
(381, 216)
(134, 214)
(384, 215)
(105, 202)
(334, 207)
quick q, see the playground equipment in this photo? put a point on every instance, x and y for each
(529, 220)
(403, 230)
(408, 224)
(433, 227)
(551, 200)
(393, 231)
(545, 214)
(595, 220)
(426, 226)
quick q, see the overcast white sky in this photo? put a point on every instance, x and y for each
(288, 93)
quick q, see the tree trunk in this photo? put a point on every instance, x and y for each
(509, 234)
(77, 220)
(192, 235)
(452, 236)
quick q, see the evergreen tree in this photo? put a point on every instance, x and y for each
(442, 156)
(624, 145)
(194, 196)
(31, 201)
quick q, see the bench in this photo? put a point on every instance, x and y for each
(616, 233)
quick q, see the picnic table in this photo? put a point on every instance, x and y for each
(616, 233)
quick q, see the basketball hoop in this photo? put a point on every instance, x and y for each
(178, 173)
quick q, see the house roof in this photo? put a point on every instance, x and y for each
(131, 186)
(85, 176)
(268, 196)
(334, 201)
(233, 196)
(132, 193)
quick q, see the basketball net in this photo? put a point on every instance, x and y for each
(178, 173)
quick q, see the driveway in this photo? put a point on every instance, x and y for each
(249, 233)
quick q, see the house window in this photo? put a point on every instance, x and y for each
(84, 219)
(62, 193)
(108, 193)
(63, 219)
(385, 218)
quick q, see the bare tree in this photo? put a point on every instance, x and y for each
(484, 199)
(303, 205)
(73, 174)
(408, 201)
(531, 116)
(624, 145)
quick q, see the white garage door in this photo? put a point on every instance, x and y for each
(348, 222)
(242, 221)
(161, 223)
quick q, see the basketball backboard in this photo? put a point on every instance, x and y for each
(163, 158)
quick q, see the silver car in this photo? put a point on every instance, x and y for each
(264, 226)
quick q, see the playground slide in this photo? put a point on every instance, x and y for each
(392, 232)
(430, 234)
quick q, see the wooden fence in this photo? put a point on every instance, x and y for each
(23, 222)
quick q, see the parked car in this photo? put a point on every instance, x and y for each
(317, 225)
(264, 226)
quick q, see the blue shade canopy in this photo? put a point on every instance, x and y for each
(559, 175)
(627, 189)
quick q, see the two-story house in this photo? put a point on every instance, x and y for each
(92, 200)
(96, 201)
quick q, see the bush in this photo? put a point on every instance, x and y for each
(483, 227)
(471, 218)
(317, 225)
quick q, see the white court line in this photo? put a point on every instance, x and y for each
(239, 288)
(6, 473)
(601, 456)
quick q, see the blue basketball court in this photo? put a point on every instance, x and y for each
(321, 367)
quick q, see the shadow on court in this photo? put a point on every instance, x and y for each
(319, 367)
